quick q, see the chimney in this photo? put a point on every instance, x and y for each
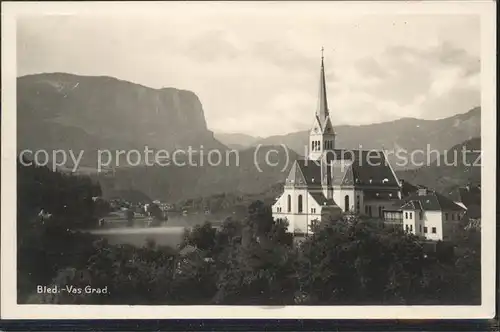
(422, 191)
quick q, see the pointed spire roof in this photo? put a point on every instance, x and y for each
(322, 111)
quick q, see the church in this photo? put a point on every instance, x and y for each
(331, 181)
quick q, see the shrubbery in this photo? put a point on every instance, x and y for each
(249, 261)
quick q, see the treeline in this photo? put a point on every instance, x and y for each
(50, 207)
(254, 261)
(224, 201)
(64, 196)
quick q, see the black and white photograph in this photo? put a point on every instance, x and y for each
(317, 158)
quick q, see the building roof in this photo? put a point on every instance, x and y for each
(432, 201)
(368, 168)
(347, 167)
(470, 195)
(322, 110)
(189, 249)
(321, 199)
(342, 172)
(304, 172)
(412, 205)
(395, 205)
(473, 212)
(408, 189)
(380, 195)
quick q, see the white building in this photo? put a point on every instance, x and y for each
(332, 181)
(431, 215)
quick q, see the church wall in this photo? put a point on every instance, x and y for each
(315, 154)
(299, 222)
(339, 197)
(359, 202)
(376, 206)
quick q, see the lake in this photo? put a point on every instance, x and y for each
(169, 234)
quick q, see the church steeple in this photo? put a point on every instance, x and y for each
(322, 135)
(322, 111)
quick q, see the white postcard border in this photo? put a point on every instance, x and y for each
(11, 310)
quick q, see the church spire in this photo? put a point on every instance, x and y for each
(322, 111)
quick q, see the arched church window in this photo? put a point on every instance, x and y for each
(312, 145)
(289, 203)
(346, 203)
(300, 204)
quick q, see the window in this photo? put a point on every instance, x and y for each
(411, 228)
(411, 215)
(346, 203)
(433, 230)
(357, 204)
(289, 203)
(420, 215)
(406, 215)
(380, 211)
(406, 227)
(300, 204)
(425, 230)
(313, 210)
(446, 216)
(452, 216)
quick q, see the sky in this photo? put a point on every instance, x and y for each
(257, 72)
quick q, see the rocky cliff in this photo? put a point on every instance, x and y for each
(82, 112)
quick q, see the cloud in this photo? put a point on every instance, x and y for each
(258, 73)
(422, 82)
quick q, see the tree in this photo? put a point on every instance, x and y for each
(201, 237)
(259, 219)
(359, 263)
(279, 232)
(129, 214)
(156, 212)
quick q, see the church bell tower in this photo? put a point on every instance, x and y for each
(322, 135)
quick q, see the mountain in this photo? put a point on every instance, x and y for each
(405, 135)
(65, 111)
(247, 172)
(237, 141)
(459, 167)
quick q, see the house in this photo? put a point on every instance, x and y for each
(431, 215)
(393, 215)
(332, 181)
(469, 197)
